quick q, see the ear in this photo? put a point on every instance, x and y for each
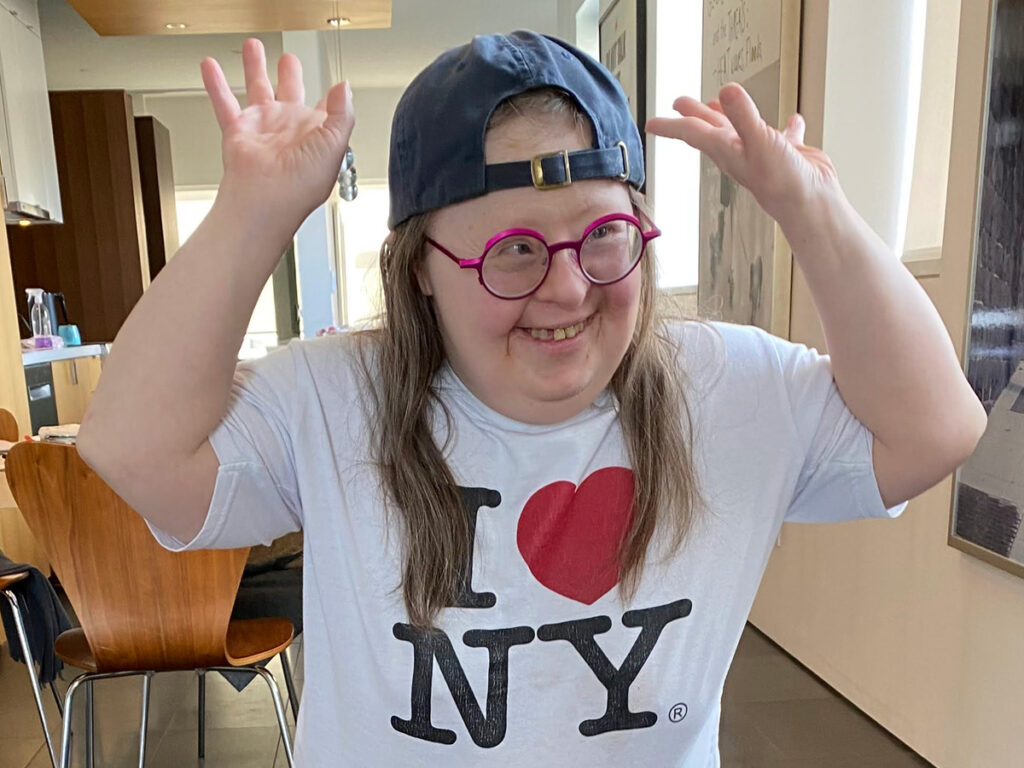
(426, 288)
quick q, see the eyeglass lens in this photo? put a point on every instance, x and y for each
(516, 265)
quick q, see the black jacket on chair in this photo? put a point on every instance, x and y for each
(43, 614)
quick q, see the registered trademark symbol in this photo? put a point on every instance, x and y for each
(677, 713)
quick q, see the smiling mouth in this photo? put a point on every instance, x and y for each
(557, 334)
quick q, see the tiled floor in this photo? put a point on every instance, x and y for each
(775, 714)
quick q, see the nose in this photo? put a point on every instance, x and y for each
(565, 284)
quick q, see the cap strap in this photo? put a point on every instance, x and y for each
(559, 169)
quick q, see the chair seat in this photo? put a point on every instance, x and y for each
(73, 649)
(248, 641)
(11, 579)
(253, 640)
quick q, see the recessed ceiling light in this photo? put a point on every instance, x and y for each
(177, 25)
(339, 21)
(24, 223)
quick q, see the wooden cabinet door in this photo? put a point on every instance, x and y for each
(74, 382)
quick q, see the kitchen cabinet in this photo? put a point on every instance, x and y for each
(98, 258)
(74, 382)
(157, 177)
(29, 187)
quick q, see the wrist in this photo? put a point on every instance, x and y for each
(817, 222)
(257, 217)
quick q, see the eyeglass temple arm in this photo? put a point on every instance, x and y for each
(445, 251)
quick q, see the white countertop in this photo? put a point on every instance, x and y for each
(31, 357)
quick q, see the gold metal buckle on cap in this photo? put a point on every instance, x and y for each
(537, 170)
(624, 176)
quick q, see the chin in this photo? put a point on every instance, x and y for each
(560, 391)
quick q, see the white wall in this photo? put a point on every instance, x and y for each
(195, 136)
(371, 138)
(935, 122)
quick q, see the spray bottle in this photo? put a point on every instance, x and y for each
(42, 323)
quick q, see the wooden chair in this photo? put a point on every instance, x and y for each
(143, 609)
(8, 426)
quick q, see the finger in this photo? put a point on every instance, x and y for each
(321, 106)
(257, 84)
(742, 113)
(690, 107)
(225, 105)
(289, 79)
(696, 132)
(795, 129)
(341, 116)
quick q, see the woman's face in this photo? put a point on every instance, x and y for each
(491, 343)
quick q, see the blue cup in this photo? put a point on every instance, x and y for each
(70, 334)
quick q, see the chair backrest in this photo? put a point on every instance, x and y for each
(8, 426)
(141, 606)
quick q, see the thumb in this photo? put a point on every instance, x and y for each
(340, 114)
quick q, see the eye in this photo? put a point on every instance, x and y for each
(518, 247)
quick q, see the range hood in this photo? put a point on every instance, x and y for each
(18, 212)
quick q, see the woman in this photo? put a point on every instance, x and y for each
(525, 479)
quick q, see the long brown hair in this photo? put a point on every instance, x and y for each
(406, 355)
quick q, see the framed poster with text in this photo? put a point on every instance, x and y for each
(622, 38)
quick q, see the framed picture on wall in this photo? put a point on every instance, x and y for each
(987, 517)
(622, 39)
(744, 263)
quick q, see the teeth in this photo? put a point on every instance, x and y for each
(557, 334)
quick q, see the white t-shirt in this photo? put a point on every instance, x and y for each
(541, 663)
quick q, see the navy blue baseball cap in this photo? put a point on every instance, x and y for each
(437, 136)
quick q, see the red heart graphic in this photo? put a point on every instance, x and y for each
(569, 536)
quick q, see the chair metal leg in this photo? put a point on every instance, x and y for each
(290, 685)
(69, 701)
(282, 722)
(275, 694)
(56, 699)
(202, 713)
(90, 726)
(19, 622)
(86, 679)
(146, 678)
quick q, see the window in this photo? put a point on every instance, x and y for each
(363, 224)
(191, 206)
(675, 184)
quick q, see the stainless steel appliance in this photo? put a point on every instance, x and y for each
(42, 403)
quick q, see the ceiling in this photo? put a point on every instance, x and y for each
(78, 58)
(143, 17)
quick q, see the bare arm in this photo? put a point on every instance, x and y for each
(165, 386)
(891, 356)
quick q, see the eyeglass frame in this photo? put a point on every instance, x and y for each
(554, 248)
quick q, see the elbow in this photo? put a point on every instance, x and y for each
(964, 434)
(95, 446)
(976, 424)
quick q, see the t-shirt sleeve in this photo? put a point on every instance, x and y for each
(255, 498)
(837, 477)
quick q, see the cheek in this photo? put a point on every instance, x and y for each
(468, 313)
(623, 298)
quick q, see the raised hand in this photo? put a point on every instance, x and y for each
(783, 173)
(280, 156)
